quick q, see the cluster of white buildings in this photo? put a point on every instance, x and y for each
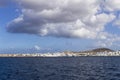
(115, 53)
(63, 54)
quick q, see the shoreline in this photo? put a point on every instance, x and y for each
(98, 54)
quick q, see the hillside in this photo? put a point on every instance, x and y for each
(98, 50)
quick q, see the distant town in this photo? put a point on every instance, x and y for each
(94, 52)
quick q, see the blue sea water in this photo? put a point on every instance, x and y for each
(62, 68)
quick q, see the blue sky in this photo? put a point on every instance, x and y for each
(31, 23)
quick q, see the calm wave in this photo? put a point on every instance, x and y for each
(74, 68)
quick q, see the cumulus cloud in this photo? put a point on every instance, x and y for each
(63, 18)
(112, 5)
(109, 41)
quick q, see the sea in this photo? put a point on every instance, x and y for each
(60, 68)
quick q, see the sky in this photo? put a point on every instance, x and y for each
(59, 24)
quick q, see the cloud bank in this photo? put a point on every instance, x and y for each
(65, 18)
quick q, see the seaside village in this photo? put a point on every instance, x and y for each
(64, 54)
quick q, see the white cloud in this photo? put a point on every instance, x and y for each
(112, 5)
(37, 47)
(117, 23)
(109, 41)
(61, 18)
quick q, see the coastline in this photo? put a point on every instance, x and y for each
(63, 54)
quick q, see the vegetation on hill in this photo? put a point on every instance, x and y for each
(98, 50)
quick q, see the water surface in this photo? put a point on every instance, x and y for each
(63, 68)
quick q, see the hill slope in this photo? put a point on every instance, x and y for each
(102, 50)
(98, 50)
